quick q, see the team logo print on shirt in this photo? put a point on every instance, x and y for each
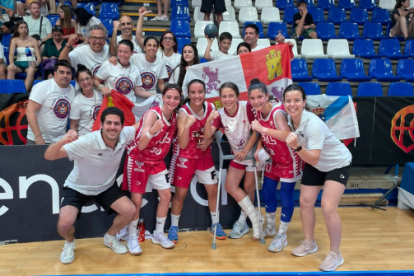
(124, 85)
(148, 80)
(169, 71)
(96, 69)
(62, 108)
(96, 111)
(139, 166)
(182, 161)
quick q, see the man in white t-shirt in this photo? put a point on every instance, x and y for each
(126, 26)
(49, 106)
(96, 156)
(91, 55)
(41, 32)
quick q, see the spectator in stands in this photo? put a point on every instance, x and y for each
(25, 8)
(54, 45)
(39, 26)
(28, 55)
(402, 23)
(219, 8)
(303, 22)
(3, 63)
(85, 21)
(243, 48)
(160, 16)
(224, 46)
(66, 22)
(49, 105)
(7, 6)
(91, 55)
(126, 26)
(86, 104)
(188, 58)
(251, 36)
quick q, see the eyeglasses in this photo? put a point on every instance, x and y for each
(83, 80)
(166, 38)
(98, 38)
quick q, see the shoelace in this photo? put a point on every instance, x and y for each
(238, 227)
(277, 239)
(67, 246)
(305, 242)
(331, 255)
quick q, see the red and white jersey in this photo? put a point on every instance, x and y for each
(237, 128)
(196, 134)
(159, 145)
(286, 163)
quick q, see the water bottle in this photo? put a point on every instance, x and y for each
(141, 230)
(29, 56)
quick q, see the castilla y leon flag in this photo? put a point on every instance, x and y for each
(270, 65)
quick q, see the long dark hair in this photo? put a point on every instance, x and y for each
(187, 100)
(184, 64)
(399, 4)
(82, 16)
(16, 28)
(175, 47)
(257, 84)
(66, 22)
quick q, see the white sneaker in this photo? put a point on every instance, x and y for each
(133, 246)
(164, 18)
(239, 230)
(122, 235)
(161, 239)
(115, 245)
(68, 254)
(278, 243)
(156, 18)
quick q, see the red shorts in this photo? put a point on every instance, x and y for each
(203, 168)
(137, 174)
(247, 168)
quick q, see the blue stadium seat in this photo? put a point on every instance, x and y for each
(373, 31)
(311, 88)
(359, 16)
(89, 7)
(370, 89)
(338, 89)
(259, 25)
(273, 29)
(346, 4)
(405, 69)
(180, 28)
(390, 48)
(5, 41)
(311, 3)
(174, 3)
(299, 69)
(109, 25)
(66, 3)
(283, 4)
(288, 15)
(36, 82)
(53, 18)
(367, 4)
(381, 16)
(109, 10)
(337, 15)
(326, 4)
(326, 30)
(181, 42)
(409, 48)
(73, 83)
(349, 31)
(180, 13)
(402, 89)
(381, 69)
(317, 14)
(12, 86)
(387, 32)
(353, 70)
(364, 48)
(325, 70)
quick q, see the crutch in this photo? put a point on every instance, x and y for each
(262, 240)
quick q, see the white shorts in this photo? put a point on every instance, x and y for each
(207, 177)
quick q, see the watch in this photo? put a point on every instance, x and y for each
(298, 148)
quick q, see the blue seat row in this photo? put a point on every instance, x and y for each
(328, 4)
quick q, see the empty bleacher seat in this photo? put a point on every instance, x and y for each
(109, 25)
(270, 15)
(174, 3)
(403, 89)
(12, 86)
(311, 3)
(109, 10)
(89, 7)
(312, 48)
(196, 3)
(359, 16)
(325, 70)
(234, 43)
(274, 27)
(353, 70)
(248, 14)
(231, 27)
(390, 48)
(202, 45)
(317, 14)
(259, 25)
(337, 15)
(349, 31)
(409, 48)
(405, 69)
(311, 88)
(288, 15)
(367, 4)
(199, 16)
(326, 4)
(227, 3)
(295, 47)
(199, 28)
(346, 4)
(242, 3)
(299, 69)
(230, 14)
(263, 42)
(260, 4)
(283, 4)
(338, 49)
(180, 13)
(364, 48)
(338, 89)
(387, 4)
(381, 69)
(373, 31)
(326, 30)
(381, 16)
(180, 28)
(370, 89)
(181, 41)
(53, 18)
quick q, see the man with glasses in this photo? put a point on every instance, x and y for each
(49, 106)
(126, 27)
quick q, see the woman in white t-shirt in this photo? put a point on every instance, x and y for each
(86, 104)
(328, 164)
(84, 21)
(188, 58)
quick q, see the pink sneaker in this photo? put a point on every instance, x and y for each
(304, 248)
(332, 261)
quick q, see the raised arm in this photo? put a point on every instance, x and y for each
(138, 33)
(65, 52)
(280, 134)
(184, 124)
(209, 129)
(113, 47)
(152, 125)
(56, 150)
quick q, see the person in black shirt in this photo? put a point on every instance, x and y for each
(303, 22)
(402, 23)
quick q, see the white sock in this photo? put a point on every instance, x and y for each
(243, 217)
(283, 227)
(214, 217)
(107, 236)
(132, 228)
(174, 220)
(159, 227)
(270, 220)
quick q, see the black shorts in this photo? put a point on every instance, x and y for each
(105, 199)
(314, 177)
(207, 6)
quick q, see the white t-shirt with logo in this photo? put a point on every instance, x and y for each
(175, 75)
(120, 78)
(218, 55)
(95, 165)
(150, 72)
(84, 30)
(259, 47)
(85, 110)
(170, 62)
(137, 48)
(52, 117)
(84, 55)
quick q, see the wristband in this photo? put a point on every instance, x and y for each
(68, 46)
(149, 135)
(100, 87)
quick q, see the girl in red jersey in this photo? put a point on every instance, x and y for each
(192, 155)
(286, 165)
(145, 163)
